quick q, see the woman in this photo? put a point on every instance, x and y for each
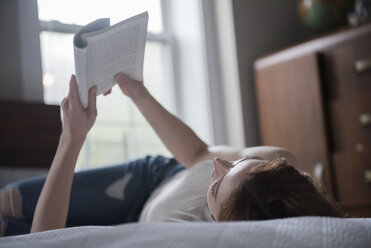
(220, 183)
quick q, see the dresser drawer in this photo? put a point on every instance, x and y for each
(350, 123)
(347, 69)
(353, 177)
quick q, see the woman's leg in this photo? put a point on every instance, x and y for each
(15, 227)
(105, 196)
(11, 217)
(116, 194)
(10, 203)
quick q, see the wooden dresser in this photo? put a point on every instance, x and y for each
(29, 134)
(315, 100)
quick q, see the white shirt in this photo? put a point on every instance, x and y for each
(182, 198)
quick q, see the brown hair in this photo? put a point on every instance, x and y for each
(273, 190)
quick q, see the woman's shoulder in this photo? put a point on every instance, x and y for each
(206, 165)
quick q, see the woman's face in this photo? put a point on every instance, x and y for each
(226, 174)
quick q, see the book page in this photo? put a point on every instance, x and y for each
(119, 49)
(81, 57)
(82, 74)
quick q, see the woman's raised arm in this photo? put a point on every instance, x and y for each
(52, 206)
(179, 139)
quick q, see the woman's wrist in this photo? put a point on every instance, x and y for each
(141, 94)
(68, 139)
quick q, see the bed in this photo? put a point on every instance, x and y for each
(291, 232)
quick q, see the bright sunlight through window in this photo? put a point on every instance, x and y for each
(120, 132)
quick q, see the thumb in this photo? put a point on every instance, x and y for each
(123, 78)
(120, 77)
(92, 107)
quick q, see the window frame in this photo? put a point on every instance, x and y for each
(162, 38)
(223, 121)
(67, 28)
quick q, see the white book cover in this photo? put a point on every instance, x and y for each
(101, 51)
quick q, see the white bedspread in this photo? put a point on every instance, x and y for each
(292, 232)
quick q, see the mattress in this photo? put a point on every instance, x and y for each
(290, 232)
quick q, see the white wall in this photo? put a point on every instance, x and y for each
(262, 26)
(189, 62)
(224, 83)
(206, 69)
(20, 63)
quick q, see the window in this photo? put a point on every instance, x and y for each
(120, 131)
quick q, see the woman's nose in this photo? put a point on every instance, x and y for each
(221, 166)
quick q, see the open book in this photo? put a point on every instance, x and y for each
(102, 50)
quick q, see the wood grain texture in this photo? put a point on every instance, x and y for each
(350, 167)
(346, 131)
(291, 110)
(353, 212)
(310, 99)
(319, 44)
(29, 134)
(342, 79)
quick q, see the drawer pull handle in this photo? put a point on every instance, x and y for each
(365, 119)
(362, 65)
(367, 176)
(318, 173)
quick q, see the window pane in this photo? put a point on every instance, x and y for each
(57, 64)
(120, 131)
(84, 11)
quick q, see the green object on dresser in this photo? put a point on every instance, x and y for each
(324, 15)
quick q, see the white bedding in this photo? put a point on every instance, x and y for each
(291, 232)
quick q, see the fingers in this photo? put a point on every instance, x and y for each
(107, 92)
(73, 93)
(119, 77)
(63, 103)
(73, 86)
(130, 87)
(122, 77)
(64, 106)
(92, 107)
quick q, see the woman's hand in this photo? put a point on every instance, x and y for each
(52, 207)
(130, 87)
(77, 120)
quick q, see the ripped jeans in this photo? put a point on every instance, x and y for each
(105, 196)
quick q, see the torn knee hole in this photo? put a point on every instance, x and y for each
(10, 203)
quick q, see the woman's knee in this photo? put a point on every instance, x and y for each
(10, 203)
